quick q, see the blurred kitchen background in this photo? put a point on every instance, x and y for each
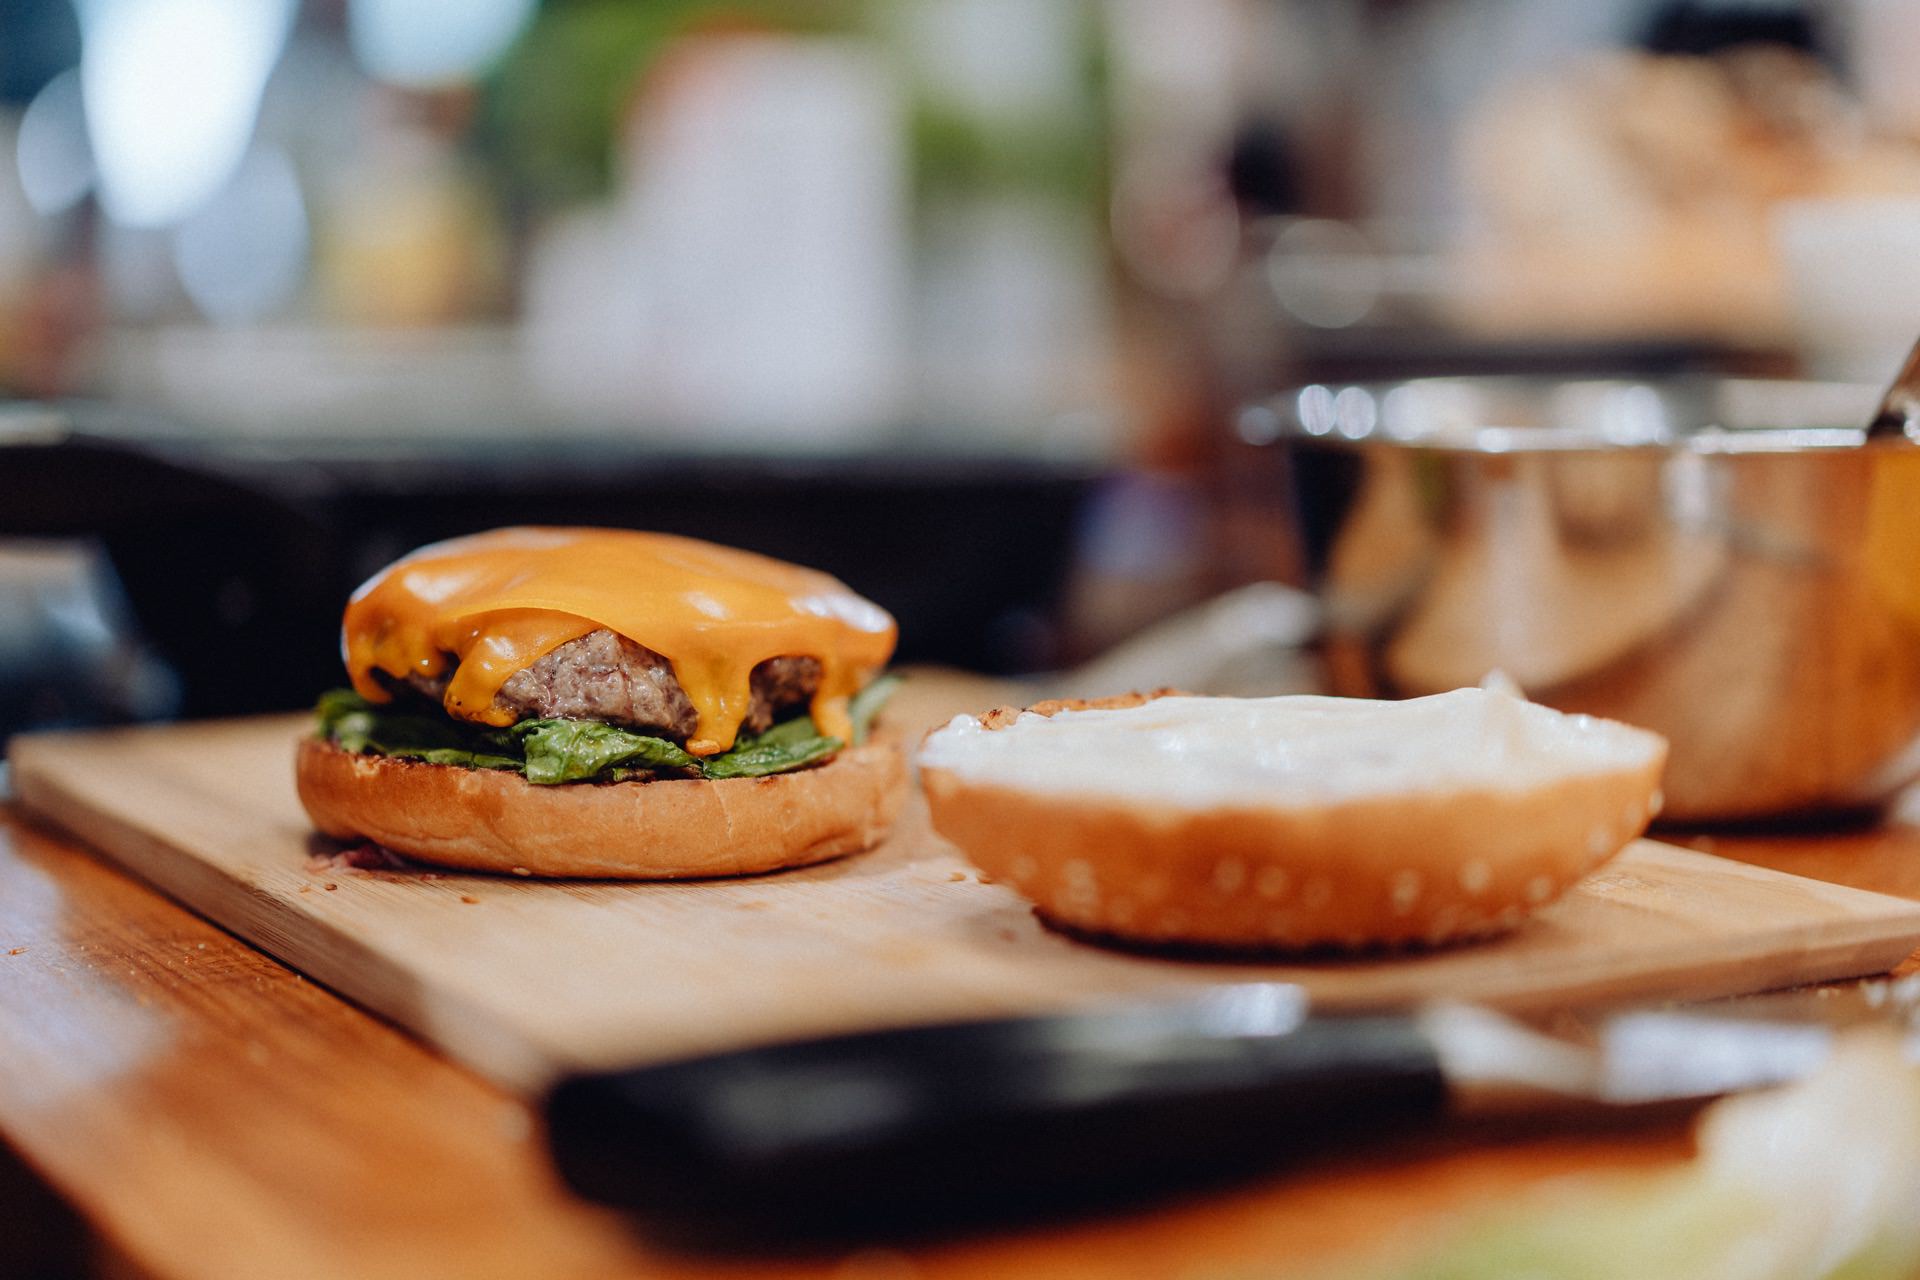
(958, 299)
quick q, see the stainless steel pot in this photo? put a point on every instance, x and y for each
(1726, 562)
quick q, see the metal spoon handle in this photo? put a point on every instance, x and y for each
(1899, 413)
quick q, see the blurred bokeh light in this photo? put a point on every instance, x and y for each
(338, 252)
(428, 43)
(172, 89)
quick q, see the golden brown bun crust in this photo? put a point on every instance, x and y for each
(1001, 717)
(492, 820)
(1421, 868)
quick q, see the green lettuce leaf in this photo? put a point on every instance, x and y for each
(792, 744)
(363, 727)
(553, 751)
(576, 750)
(866, 704)
(797, 743)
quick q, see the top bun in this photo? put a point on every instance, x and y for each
(1291, 822)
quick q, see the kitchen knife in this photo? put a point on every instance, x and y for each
(1020, 1110)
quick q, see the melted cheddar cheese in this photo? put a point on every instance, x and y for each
(495, 603)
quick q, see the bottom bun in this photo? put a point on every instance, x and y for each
(1413, 869)
(494, 820)
(1431, 861)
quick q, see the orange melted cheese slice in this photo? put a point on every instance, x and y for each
(496, 603)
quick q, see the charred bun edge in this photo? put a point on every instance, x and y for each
(1001, 717)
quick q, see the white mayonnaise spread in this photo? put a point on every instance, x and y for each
(1208, 752)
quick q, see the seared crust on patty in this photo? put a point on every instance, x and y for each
(604, 676)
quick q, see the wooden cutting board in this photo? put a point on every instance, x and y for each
(521, 978)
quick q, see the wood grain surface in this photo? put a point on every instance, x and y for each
(520, 979)
(212, 1115)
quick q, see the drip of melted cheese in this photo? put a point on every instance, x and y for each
(496, 603)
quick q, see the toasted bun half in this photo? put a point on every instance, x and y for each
(491, 820)
(1413, 865)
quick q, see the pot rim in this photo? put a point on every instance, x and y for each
(1522, 414)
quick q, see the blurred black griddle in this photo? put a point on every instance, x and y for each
(236, 557)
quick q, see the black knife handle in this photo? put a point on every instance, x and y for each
(1006, 1110)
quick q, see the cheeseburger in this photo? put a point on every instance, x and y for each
(597, 702)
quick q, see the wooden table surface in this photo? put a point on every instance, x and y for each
(209, 1113)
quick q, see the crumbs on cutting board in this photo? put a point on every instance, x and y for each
(469, 899)
(368, 858)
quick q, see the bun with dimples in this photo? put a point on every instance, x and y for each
(1294, 822)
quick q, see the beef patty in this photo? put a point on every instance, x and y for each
(603, 676)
